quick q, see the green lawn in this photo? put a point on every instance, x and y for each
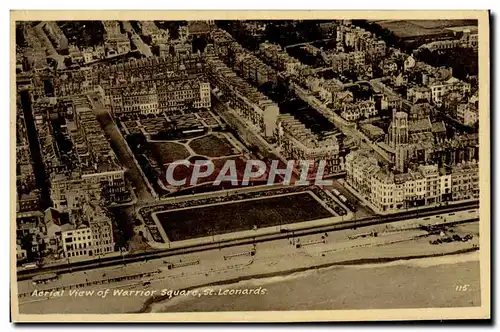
(239, 216)
(213, 146)
(167, 152)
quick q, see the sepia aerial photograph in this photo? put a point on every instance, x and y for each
(253, 165)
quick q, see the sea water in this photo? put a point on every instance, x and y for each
(417, 283)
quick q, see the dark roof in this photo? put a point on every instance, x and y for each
(54, 214)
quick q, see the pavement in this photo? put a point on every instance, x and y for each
(377, 84)
(362, 210)
(125, 156)
(136, 39)
(404, 238)
(249, 233)
(247, 132)
(244, 130)
(346, 127)
(50, 47)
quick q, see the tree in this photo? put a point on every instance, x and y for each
(155, 49)
(136, 141)
(27, 244)
(68, 62)
(146, 39)
(199, 43)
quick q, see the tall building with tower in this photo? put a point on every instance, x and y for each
(398, 130)
(398, 139)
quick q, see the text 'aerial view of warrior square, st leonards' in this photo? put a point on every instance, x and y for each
(250, 166)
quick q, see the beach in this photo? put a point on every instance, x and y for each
(419, 283)
(398, 268)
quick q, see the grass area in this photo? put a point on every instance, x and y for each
(415, 28)
(239, 216)
(213, 146)
(441, 24)
(185, 172)
(167, 152)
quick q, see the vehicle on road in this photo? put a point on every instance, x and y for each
(348, 204)
(340, 210)
(44, 278)
(29, 266)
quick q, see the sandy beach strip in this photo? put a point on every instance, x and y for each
(270, 261)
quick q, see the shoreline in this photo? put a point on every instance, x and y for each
(147, 306)
(396, 243)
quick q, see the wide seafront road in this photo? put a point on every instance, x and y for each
(368, 221)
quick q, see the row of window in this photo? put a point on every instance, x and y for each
(74, 253)
(103, 250)
(137, 94)
(83, 231)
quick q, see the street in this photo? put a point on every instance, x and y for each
(346, 127)
(464, 212)
(405, 238)
(50, 47)
(136, 39)
(245, 133)
(122, 152)
(265, 149)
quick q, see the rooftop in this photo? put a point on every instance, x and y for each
(420, 125)
(438, 127)
(304, 135)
